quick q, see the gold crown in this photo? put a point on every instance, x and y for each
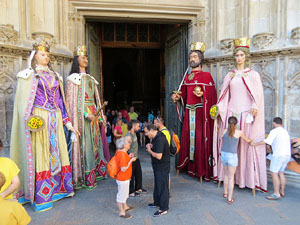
(198, 46)
(42, 46)
(242, 42)
(81, 50)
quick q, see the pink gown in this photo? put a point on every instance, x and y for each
(242, 91)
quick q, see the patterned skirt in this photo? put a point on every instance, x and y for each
(53, 176)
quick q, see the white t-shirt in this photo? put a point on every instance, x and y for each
(279, 139)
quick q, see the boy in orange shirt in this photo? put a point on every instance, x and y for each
(124, 162)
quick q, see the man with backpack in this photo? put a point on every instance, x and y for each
(159, 124)
(171, 137)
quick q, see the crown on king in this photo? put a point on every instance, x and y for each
(198, 46)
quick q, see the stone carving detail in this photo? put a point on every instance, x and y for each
(267, 80)
(294, 81)
(296, 35)
(43, 36)
(8, 34)
(227, 45)
(6, 80)
(263, 40)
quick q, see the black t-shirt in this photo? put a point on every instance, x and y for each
(160, 145)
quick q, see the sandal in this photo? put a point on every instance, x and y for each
(129, 208)
(225, 195)
(126, 216)
(273, 197)
(230, 201)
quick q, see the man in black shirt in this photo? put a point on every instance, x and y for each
(160, 158)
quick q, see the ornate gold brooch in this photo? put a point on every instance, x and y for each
(191, 76)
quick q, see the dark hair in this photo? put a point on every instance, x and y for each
(1, 144)
(75, 66)
(200, 55)
(150, 126)
(232, 121)
(277, 120)
(160, 119)
(131, 123)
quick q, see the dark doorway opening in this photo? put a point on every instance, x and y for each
(131, 76)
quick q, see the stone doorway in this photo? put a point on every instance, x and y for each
(138, 64)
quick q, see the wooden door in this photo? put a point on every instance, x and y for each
(93, 45)
(176, 51)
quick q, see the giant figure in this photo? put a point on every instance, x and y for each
(38, 143)
(91, 153)
(196, 95)
(242, 96)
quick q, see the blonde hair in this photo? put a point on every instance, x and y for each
(247, 55)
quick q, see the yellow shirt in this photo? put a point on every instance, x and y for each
(10, 169)
(13, 213)
(133, 116)
(124, 129)
(167, 134)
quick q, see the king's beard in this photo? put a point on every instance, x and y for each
(194, 64)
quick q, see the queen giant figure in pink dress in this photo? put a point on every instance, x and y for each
(242, 96)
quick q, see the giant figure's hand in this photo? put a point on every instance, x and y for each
(75, 131)
(175, 97)
(253, 112)
(91, 117)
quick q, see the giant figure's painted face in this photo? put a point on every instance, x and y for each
(42, 58)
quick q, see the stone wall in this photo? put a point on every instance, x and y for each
(274, 27)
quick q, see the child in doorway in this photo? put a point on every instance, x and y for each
(229, 156)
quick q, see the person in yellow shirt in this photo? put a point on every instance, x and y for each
(10, 170)
(11, 212)
(132, 114)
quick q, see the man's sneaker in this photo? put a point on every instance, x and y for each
(151, 205)
(134, 194)
(160, 213)
(142, 191)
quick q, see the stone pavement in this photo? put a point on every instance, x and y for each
(192, 203)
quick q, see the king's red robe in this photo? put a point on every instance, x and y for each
(202, 163)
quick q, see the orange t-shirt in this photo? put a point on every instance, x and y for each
(122, 159)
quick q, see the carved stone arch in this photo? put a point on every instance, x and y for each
(294, 81)
(7, 83)
(267, 81)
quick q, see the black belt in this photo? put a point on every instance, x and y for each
(193, 107)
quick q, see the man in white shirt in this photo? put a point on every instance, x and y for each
(279, 140)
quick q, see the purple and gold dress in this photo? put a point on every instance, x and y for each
(52, 176)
